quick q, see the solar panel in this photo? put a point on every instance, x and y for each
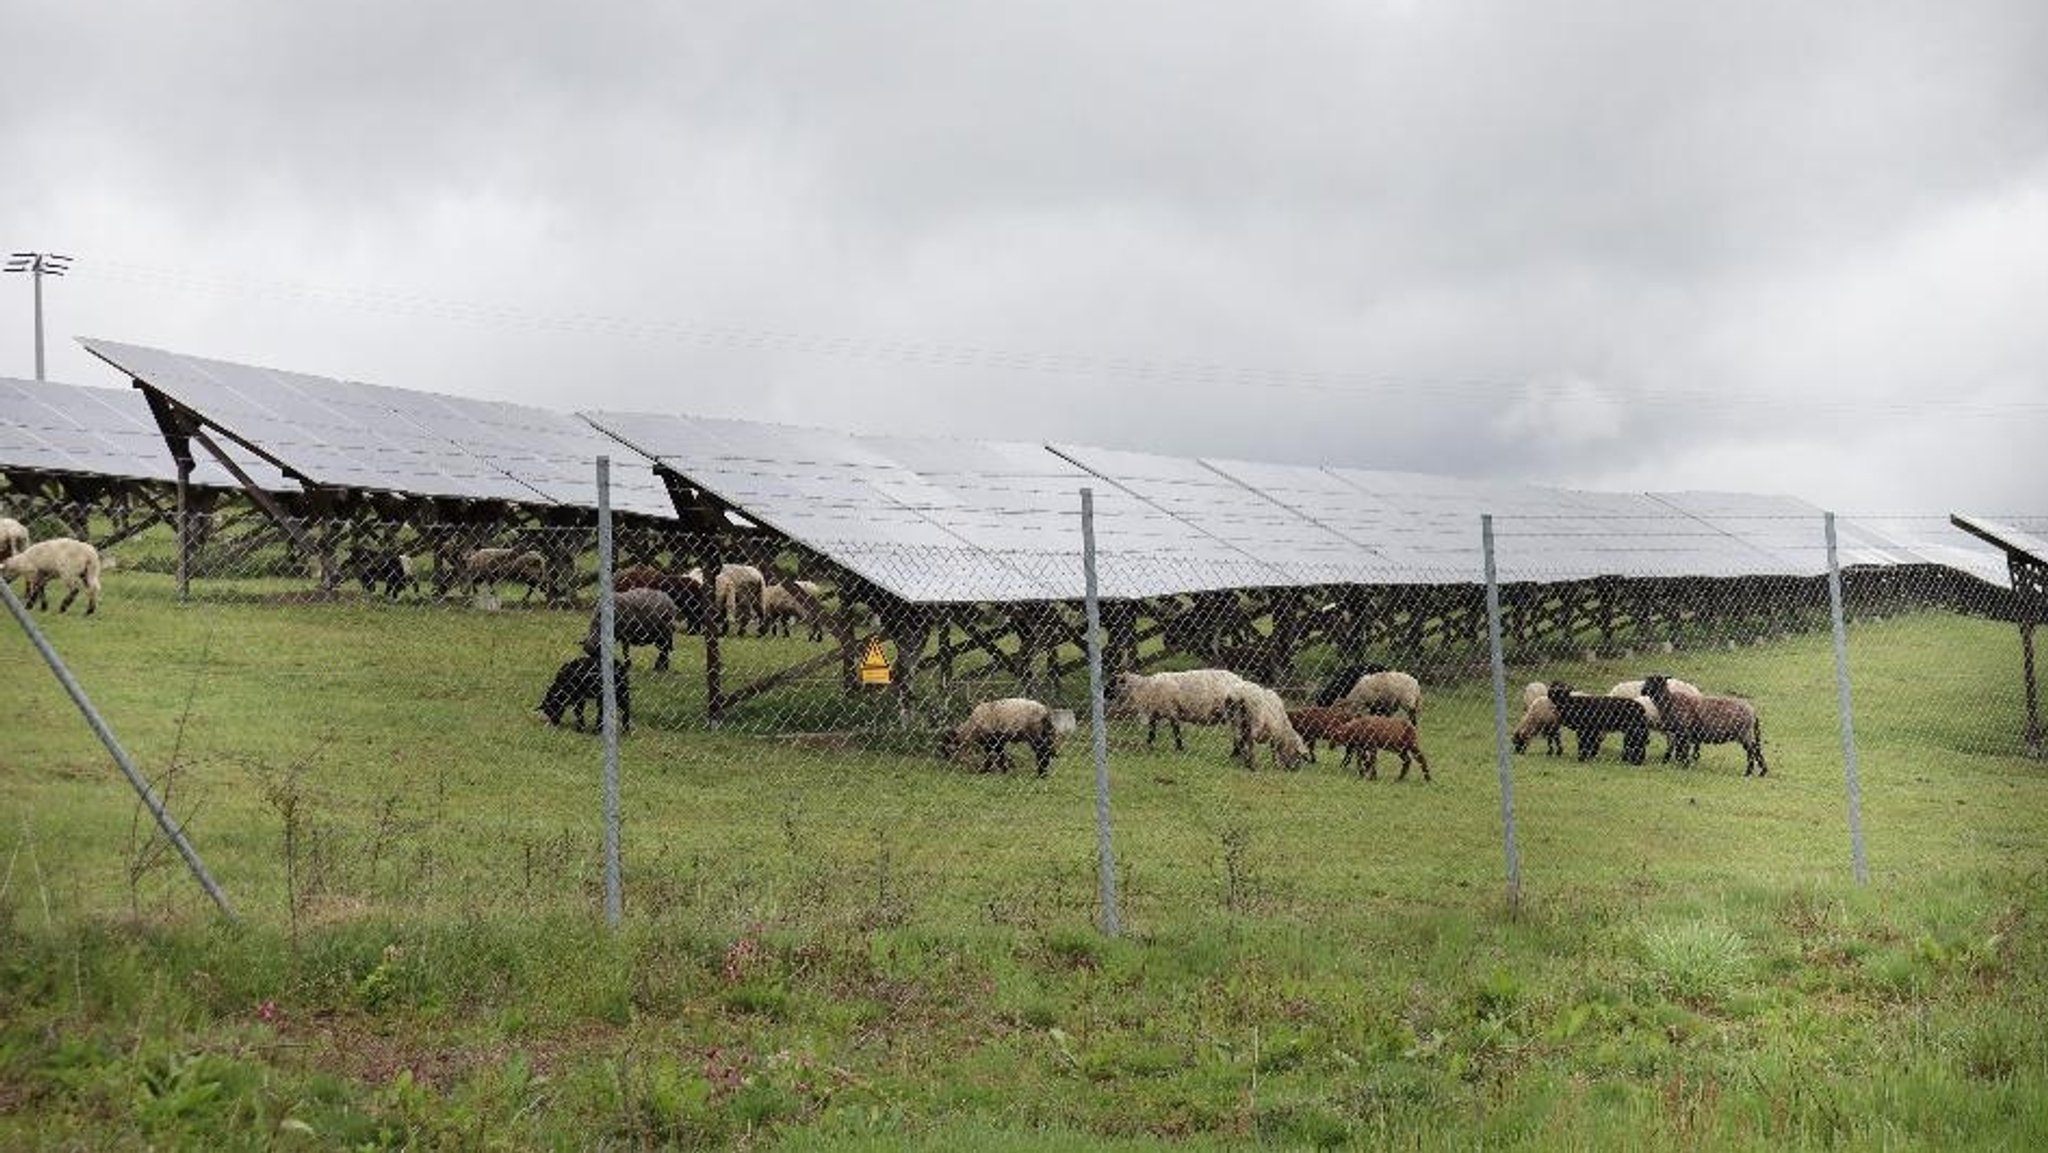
(1786, 535)
(870, 514)
(1021, 501)
(349, 434)
(1267, 542)
(109, 432)
(2026, 535)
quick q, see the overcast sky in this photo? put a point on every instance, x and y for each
(1773, 247)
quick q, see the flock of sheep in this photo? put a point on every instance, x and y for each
(1369, 709)
(1687, 717)
(1364, 710)
(649, 605)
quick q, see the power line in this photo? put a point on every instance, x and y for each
(945, 354)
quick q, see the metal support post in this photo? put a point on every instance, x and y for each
(1112, 923)
(1860, 863)
(1502, 756)
(608, 685)
(142, 787)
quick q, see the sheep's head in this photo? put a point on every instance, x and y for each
(1521, 741)
(1560, 692)
(950, 741)
(1656, 687)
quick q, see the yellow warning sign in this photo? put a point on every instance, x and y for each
(874, 667)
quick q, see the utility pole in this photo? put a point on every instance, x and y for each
(39, 265)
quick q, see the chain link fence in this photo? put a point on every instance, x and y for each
(358, 718)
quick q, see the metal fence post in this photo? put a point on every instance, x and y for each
(1860, 862)
(607, 681)
(1500, 720)
(106, 735)
(1112, 923)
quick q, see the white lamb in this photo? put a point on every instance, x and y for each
(780, 605)
(992, 725)
(74, 562)
(1262, 719)
(1197, 696)
(739, 588)
(1383, 692)
(13, 536)
(1539, 718)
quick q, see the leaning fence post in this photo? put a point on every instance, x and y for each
(1860, 863)
(607, 682)
(1111, 922)
(106, 735)
(1500, 720)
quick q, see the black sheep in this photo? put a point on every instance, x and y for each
(391, 569)
(580, 682)
(1594, 717)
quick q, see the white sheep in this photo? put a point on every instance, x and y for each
(993, 725)
(1539, 717)
(1261, 718)
(739, 588)
(13, 536)
(74, 562)
(1385, 691)
(780, 605)
(1196, 696)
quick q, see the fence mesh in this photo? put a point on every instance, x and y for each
(357, 718)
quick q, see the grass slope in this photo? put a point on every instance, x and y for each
(836, 944)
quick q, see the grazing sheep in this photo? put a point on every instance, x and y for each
(1364, 737)
(1318, 723)
(693, 603)
(1699, 720)
(1197, 696)
(74, 562)
(1261, 717)
(13, 536)
(393, 570)
(1539, 718)
(739, 589)
(1592, 718)
(1633, 690)
(780, 605)
(993, 725)
(580, 682)
(639, 617)
(488, 566)
(1385, 691)
(1342, 681)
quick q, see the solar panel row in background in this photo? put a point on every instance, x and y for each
(347, 434)
(73, 430)
(944, 521)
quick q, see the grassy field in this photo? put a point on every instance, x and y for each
(838, 942)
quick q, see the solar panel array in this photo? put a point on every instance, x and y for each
(2027, 536)
(101, 432)
(938, 521)
(347, 434)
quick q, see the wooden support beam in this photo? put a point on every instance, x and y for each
(802, 668)
(329, 577)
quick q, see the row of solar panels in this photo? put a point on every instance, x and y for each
(936, 520)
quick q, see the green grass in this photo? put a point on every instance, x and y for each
(838, 942)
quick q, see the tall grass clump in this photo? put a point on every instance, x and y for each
(1697, 962)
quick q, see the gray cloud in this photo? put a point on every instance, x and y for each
(1776, 247)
